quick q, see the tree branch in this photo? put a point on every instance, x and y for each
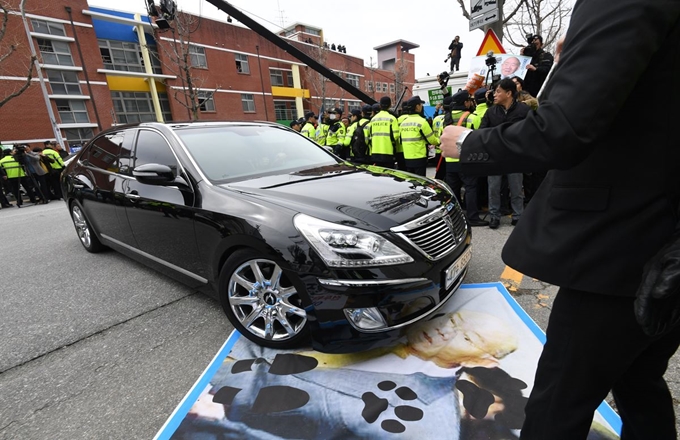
(466, 14)
(23, 88)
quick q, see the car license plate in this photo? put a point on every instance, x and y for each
(457, 267)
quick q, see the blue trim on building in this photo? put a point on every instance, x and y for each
(107, 30)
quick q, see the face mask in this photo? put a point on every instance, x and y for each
(332, 117)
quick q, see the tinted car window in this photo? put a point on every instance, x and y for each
(103, 151)
(238, 152)
(153, 148)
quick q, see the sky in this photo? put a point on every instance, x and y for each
(360, 27)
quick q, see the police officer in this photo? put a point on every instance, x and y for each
(476, 117)
(57, 166)
(458, 108)
(416, 134)
(309, 129)
(295, 125)
(336, 133)
(355, 117)
(16, 175)
(322, 128)
(438, 128)
(401, 163)
(384, 133)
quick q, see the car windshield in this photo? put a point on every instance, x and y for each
(239, 152)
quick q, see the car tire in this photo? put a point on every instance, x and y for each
(261, 300)
(86, 234)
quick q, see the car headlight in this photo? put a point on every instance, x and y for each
(344, 246)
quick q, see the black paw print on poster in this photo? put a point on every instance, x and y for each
(276, 398)
(489, 385)
(374, 406)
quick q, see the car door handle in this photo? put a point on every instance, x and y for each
(133, 195)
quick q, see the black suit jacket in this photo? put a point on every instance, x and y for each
(609, 202)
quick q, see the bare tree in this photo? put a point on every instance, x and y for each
(10, 53)
(400, 75)
(177, 60)
(543, 17)
(317, 82)
(520, 17)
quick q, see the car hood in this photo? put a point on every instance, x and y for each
(369, 197)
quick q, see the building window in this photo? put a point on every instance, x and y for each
(353, 105)
(276, 77)
(206, 102)
(125, 56)
(64, 82)
(197, 55)
(289, 79)
(284, 110)
(312, 31)
(391, 88)
(47, 27)
(78, 136)
(55, 52)
(248, 102)
(353, 79)
(138, 107)
(242, 63)
(72, 111)
(384, 87)
(369, 86)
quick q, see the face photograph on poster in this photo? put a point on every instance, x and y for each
(507, 66)
(465, 373)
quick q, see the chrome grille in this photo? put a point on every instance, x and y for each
(437, 233)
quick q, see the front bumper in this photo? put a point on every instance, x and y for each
(401, 300)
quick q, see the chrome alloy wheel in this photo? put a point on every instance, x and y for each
(82, 228)
(265, 302)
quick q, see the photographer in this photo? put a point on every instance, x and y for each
(455, 48)
(541, 62)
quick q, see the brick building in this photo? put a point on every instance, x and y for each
(95, 75)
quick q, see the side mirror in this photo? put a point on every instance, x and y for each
(154, 174)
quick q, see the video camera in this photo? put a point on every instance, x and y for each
(491, 64)
(530, 50)
(443, 78)
(20, 154)
(490, 60)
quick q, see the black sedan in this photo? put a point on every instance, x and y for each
(292, 240)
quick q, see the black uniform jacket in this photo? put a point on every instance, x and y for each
(610, 201)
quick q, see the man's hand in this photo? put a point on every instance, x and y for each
(448, 141)
(558, 49)
(531, 67)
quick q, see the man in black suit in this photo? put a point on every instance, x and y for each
(606, 206)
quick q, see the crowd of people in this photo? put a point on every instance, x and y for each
(33, 171)
(401, 139)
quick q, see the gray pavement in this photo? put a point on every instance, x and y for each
(100, 347)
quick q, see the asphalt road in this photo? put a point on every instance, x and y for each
(100, 347)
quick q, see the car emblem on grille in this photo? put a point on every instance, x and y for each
(449, 224)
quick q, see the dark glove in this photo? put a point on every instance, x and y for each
(657, 306)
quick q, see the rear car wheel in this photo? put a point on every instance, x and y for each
(261, 301)
(87, 236)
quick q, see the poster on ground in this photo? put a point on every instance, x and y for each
(465, 373)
